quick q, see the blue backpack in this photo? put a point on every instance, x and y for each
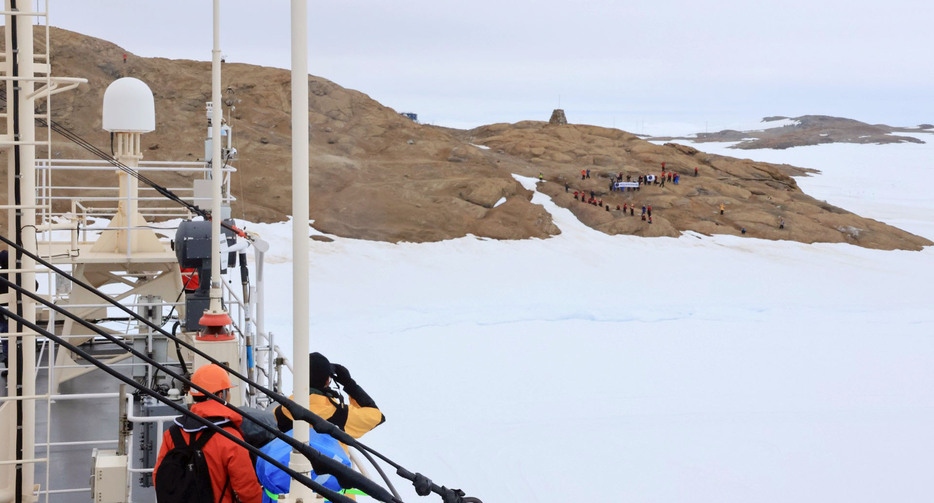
(276, 482)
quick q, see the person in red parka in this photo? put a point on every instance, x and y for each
(231, 469)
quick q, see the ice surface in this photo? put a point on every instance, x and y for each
(589, 367)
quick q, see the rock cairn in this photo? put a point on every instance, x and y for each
(557, 117)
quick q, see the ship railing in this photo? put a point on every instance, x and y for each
(72, 218)
(49, 445)
(237, 308)
(135, 419)
(93, 194)
(247, 315)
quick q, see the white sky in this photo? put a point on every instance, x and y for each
(632, 65)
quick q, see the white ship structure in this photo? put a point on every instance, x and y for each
(114, 293)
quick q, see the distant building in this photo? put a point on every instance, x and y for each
(410, 115)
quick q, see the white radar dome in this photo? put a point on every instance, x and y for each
(129, 107)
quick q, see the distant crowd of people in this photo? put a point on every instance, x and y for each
(623, 182)
(626, 207)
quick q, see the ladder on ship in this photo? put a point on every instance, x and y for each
(28, 86)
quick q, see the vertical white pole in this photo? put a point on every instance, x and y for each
(300, 322)
(28, 184)
(300, 247)
(216, 163)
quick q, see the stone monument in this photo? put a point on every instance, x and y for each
(557, 117)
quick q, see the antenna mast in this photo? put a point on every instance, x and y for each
(300, 322)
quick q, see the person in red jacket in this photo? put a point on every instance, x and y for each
(231, 469)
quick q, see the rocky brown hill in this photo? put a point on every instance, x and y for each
(377, 175)
(811, 130)
(755, 195)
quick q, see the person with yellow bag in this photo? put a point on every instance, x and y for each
(356, 417)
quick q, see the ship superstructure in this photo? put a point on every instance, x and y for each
(125, 239)
(116, 290)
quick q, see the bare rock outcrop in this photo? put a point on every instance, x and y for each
(756, 196)
(377, 175)
(374, 173)
(810, 130)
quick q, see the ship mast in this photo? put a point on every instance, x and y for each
(215, 319)
(300, 200)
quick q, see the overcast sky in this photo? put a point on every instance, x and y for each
(632, 65)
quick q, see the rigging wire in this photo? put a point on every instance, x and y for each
(423, 484)
(97, 152)
(322, 464)
(75, 138)
(184, 411)
(81, 142)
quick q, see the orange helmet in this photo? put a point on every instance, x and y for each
(212, 378)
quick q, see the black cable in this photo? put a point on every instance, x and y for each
(321, 463)
(379, 470)
(18, 229)
(298, 411)
(191, 207)
(76, 139)
(178, 351)
(62, 130)
(70, 135)
(307, 482)
(276, 396)
(58, 128)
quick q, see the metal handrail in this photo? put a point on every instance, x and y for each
(159, 420)
(49, 193)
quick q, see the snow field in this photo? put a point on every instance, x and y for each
(613, 368)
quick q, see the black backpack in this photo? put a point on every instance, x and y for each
(184, 470)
